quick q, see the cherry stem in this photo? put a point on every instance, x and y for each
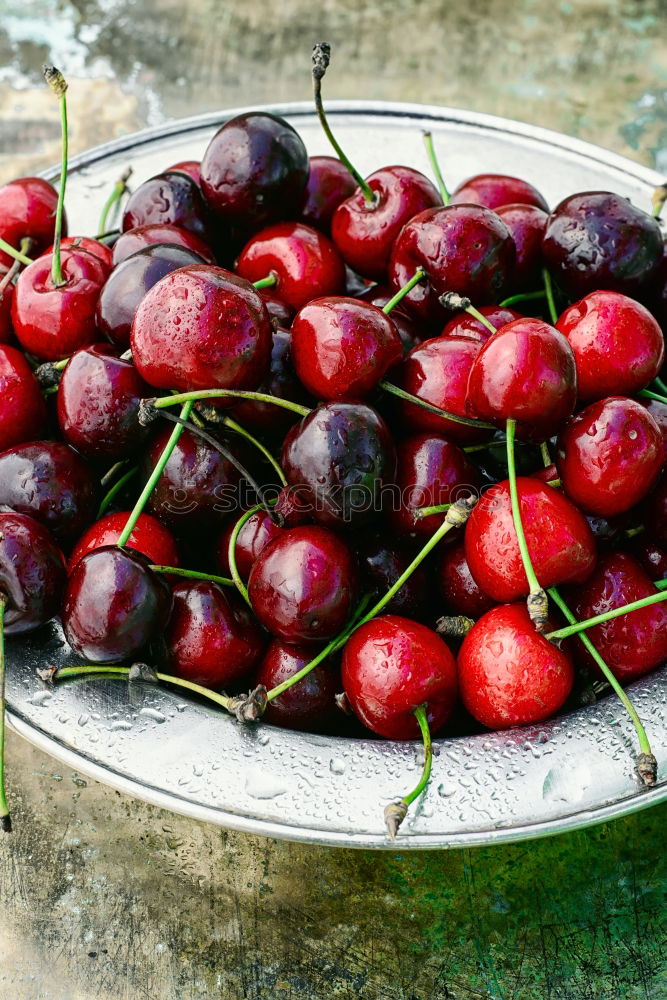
(631, 532)
(441, 508)
(658, 200)
(142, 500)
(231, 552)
(119, 189)
(396, 812)
(321, 57)
(115, 490)
(521, 297)
(660, 584)
(538, 605)
(662, 386)
(242, 432)
(268, 282)
(647, 394)
(452, 300)
(111, 473)
(58, 85)
(644, 744)
(199, 394)
(418, 276)
(644, 602)
(445, 414)
(5, 819)
(24, 247)
(103, 670)
(435, 167)
(544, 452)
(549, 292)
(15, 254)
(192, 574)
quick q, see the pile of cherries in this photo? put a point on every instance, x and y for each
(322, 448)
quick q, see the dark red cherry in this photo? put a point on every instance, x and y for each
(339, 459)
(211, 638)
(303, 585)
(149, 536)
(618, 346)
(329, 183)
(255, 170)
(631, 644)
(310, 705)
(305, 263)
(6, 299)
(525, 371)
(201, 327)
(390, 667)
(458, 588)
(382, 560)
(129, 282)
(364, 233)
(28, 210)
(255, 535)
(526, 224)
(652, 557)
(267, 418)
(172, 198)
(280, 313)
(497, 190)
(51, 483)
(147, 236)
(98, 404)
(462, 248)
(342, 347)
(114, 605)
(509, 674)
(559, 539)
(32, 573)
(655, 512)
(190, 167)
(609, 455)
(409, 332)
(465, 325)
(658, 411)
(51, 322)
(22, 407)
(599, 240)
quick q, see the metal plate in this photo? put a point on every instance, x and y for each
(570, 772)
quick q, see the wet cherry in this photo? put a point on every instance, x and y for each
(32, 573)
(22, 408)
(329, 183)
(310, 705)
(27, 210)
(172, 198)
(146, 236)
(497, 190)
(149, 536)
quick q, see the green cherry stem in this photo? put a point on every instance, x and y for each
(544, 452)
(658, 200)
(647, 394)
(201, 394)
(119, 189)
(268, 282)
(106, 671)
(659, 384)
(538, 605)
(231, 551)
(521, 297)
(192, 574)
(242, 432)
(409, 398)
(549, 292)
(644, 602)
(452, 300)
(396, 812)
(58, 85)
(660, 584)
(5, 819)
(418, 276)
(16, 254)
(435, 167)
(115, 490)
(441, 508)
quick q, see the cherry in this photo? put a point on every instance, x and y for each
(342, 347)
(304, 263)
(94, 247)
(6, 299)
(281, 382)
(559, 539)
(310, 705)
(509, 674)
(98, 404)
(303, 585)
(466, 325)
(51, 483)
(408, 330)
(609, 455)
(201, 327)
(149, 536)
(655, 511)
(211, 639)
(631, 644)
(114, 605)
(458, 588)
(27, 211)
(658, 411)
(390, 667)
(130, 281)
(255, 535)
(339, 459)
(133, 240)
(496, 191)
(32, 573)
(652, 557)
(280, 313)
(596, 239)
(618, 346)
(526, 224)
(190, 167)
(172, 198)
(382, 562)
(329, 183)
(22, 408)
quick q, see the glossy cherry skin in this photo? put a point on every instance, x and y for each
(431, 471)
(303, 585)
(600, 240)
(201, 327)
(329, 183)
(190, 167)
(655, 512)
(409, 332)
(618, 346)
(464, 325)
(609, 455)
(652, 557)
(211, 639)
(98, 404)
(463, 248)
(255, 535)
(342, 347)
(22, 407)
(6, 299)
(559, 539)
(310, 705)
(496, 190)
(255, 170)
(390, 667)
(509, 674)
(525, 371)
(526, 224)
(114, 605)
(32, 573)
(631, 644)
(305, 263)
(172, 198)
(658, 411)
(149, 536)
(52, 322)
(364, 233)
(382, 561)
(28, 210)
(130, 281)
(266, 418)
(339, 459)
(97, 249)
(147, 236)
(50, 482)
(459, 589)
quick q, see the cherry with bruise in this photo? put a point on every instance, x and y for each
(133, 240)
(497, 190)
(329, 183)
(281, 381)
(458, 588)
(32, 573)
(28, 211)
(149, 536)
(310, 705)
(172, 198)
(526, 224)
(465, 325)
(382, 560)
(22, 408)
(254, 536)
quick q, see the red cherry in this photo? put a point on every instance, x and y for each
(496, 191)
(190, 167)
(6, 299)
(305, 263)
(390, 667)
(32, 573)
(22, 407)
(458, 588)
(28, 210)
(309, 705)
(560, 542)
(97, 249)
(526, 224)
(509, 674)
(254, 536)
(465, 325)
(408, 330)
(147, 236)
(609, 455)
(149, 537)
(329, 183)
(280, 313)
